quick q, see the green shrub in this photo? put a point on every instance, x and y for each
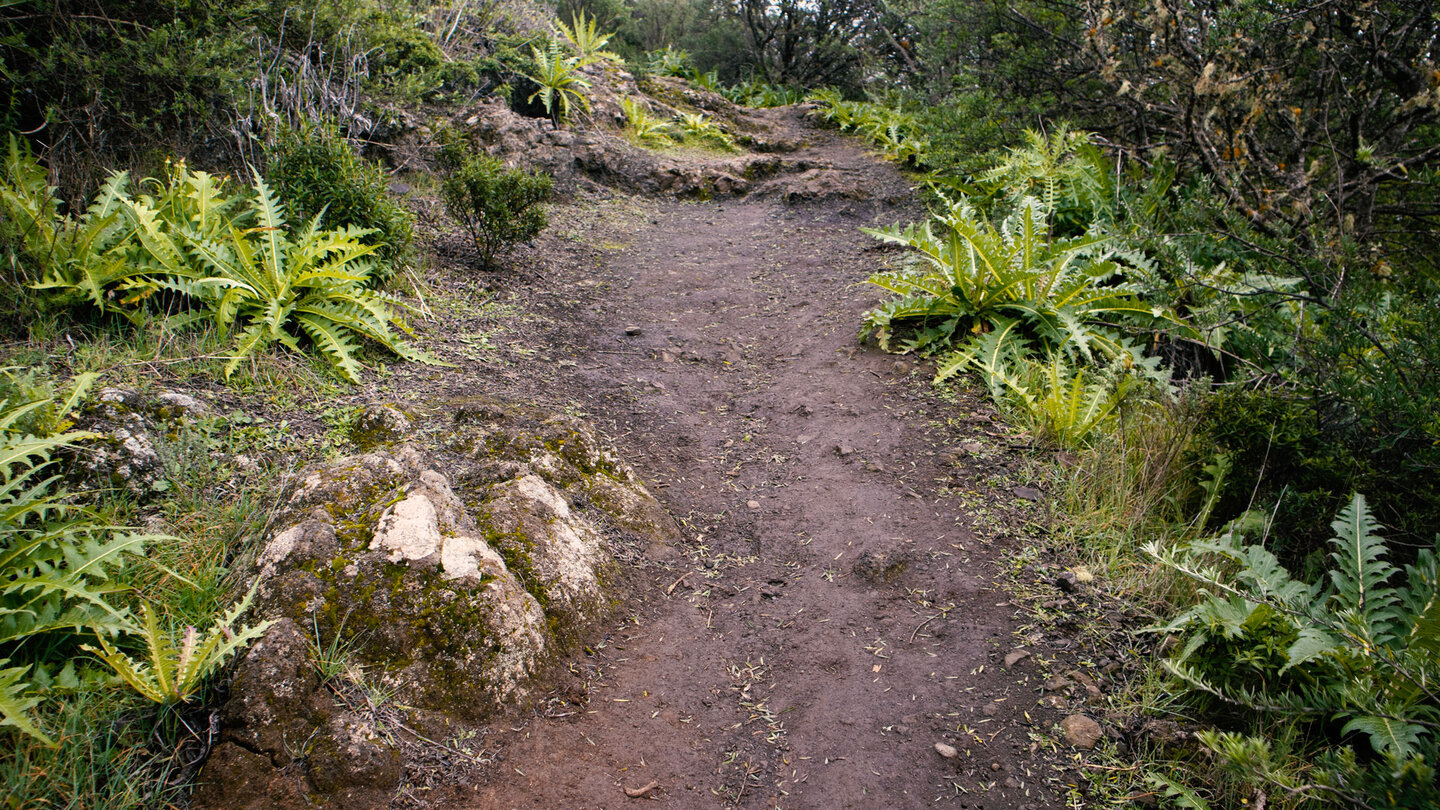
(1361, 649)
(976, 278)
(317, 173)
(499, 207)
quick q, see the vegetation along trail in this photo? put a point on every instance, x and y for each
(828, 619)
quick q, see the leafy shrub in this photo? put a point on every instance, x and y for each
(230, 258)
(896, 133)
(172, 674)
(57, 561)
(757, 93)
(318, 174)
(499, 207)
(670, 62)
(1362, 649)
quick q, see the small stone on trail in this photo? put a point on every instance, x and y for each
(946, 751)
(990, 709)
(1056, 682)
(1067, 582)
(1027, 493)
(805, 438)
(844, 450)
(666, 357)
(1015, 656)
(753, 504)
(1081, 731)
(632, 331)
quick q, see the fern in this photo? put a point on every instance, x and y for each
(561, 85)
(171, 673)
(584, 38)
(1360, 648)
(641, 125)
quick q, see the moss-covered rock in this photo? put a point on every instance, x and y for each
(454, 570)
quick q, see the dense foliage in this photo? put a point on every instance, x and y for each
(318, 174)
(229, 258)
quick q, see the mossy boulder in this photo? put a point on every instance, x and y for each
(453, 568)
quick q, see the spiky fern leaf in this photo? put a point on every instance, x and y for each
(1362, 650)
(16, 702)
(172, 673)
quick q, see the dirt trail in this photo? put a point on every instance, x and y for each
(830, 617)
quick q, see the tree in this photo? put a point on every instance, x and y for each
(810, 43)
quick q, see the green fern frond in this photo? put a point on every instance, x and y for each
(16, 703)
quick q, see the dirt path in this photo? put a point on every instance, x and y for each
(831, 616)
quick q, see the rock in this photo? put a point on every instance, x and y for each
(350, 753)
(1055, 683)
(1011, 783)
(379, 424)
(946, 751)
(124, 456)
(273, 696)
(172, 405)
(879, 567)
(752, 504)
(1168, 737)
(1081, 732)
(633, 331)
(1027, 493)
(844, 450)
(1087, 683)
(467, 569)
(1067, 582)
(1015, 656)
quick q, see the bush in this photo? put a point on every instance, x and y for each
(499, 207)
(317, 173)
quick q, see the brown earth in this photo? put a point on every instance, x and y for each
(832, 614)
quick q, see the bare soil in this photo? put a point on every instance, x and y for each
(833, 612)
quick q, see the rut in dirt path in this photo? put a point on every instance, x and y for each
(830, 616)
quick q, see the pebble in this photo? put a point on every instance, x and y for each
(633, 331)
(1056, 682)
(946, 751)
(844, 450)
(1081, 732)
(1015, 657)
(752, 504)
(1027, 493)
